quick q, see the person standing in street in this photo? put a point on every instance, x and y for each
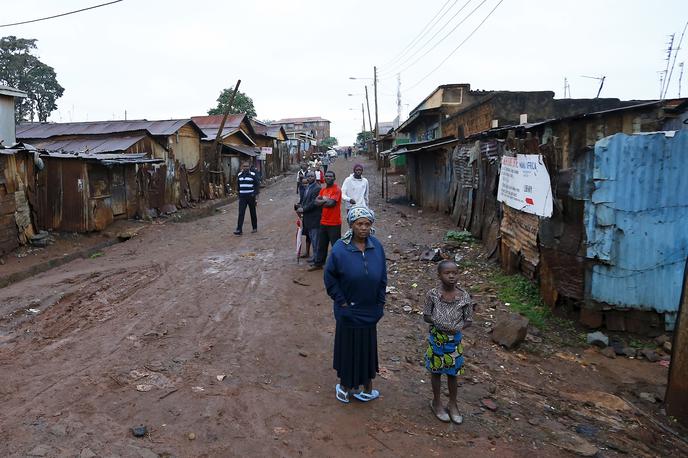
(330, 199)
(249, 187)
(311, 213)
(355, 189)
(356, 280)
(300, 176)
(326, 161)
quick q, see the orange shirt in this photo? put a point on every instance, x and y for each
(332, 216)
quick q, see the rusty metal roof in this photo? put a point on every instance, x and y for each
(211, 133)
(247, 150)
(293, 120)
(43, 130)
(96, 145)
(233, 120)
(107, 159)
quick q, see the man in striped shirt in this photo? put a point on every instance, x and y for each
(249, 187)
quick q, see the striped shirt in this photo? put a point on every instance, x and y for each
(248, 184)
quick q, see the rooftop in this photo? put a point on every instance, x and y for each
(43, 130)
(294, 120)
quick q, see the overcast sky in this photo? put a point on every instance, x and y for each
(161, 59)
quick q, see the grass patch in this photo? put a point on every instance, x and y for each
(97, 254)
(459, 236)
(522, 297)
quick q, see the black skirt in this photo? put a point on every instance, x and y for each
(355, 355)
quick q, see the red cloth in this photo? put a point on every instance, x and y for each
(332, 216)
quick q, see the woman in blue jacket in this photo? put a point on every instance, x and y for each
(356, 280)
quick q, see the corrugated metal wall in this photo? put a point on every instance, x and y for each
(636, 221)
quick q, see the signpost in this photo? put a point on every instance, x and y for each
(524, 184)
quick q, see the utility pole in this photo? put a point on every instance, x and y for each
(217, 144)
(399, 97)
(377, 127)
(567, 88)
(363, 118)
(370, 122)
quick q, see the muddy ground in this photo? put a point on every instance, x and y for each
(221, 346)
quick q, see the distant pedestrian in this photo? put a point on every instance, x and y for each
(326, 161)
(449, 310)
(355, 188)
(249, 187)
(330, 200)
(348, 153)
(311, 213)
(300, 176)
(356, 280)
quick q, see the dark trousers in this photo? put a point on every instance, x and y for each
(249, 201)
(327, 236)
(325, 168)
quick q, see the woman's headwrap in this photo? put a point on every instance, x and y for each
(358, 212)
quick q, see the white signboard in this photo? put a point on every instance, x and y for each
(265, 150)
(524, 184)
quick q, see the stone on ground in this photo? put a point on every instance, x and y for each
(598, 339)
(510, 330)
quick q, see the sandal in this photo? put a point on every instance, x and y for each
(441, 416)
(365, 397)
(342, 396)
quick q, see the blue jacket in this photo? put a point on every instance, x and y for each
(357, 280)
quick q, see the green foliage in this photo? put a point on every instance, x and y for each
(20, 69)
(242, 104)
(363, 137)
(327, 143)
(97, 254)
(522, 297)
(459, 236)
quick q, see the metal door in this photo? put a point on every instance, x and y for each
(119, 191)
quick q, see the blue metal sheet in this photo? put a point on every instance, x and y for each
(636, 220)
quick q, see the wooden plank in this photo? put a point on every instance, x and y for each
(677, 388)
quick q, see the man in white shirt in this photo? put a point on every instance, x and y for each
(355, 188)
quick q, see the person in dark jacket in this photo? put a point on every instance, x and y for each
(249, 187)
(356, 280)
(311, 212)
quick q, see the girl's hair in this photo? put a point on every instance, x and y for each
(445, 263)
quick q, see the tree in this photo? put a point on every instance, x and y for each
(327, 143)
(242, 104)
(20, 69)
(363, 137)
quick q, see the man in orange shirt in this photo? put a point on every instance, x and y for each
(330, 199)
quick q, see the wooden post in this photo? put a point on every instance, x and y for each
(677, 388)
(217, 145)
(370, 121)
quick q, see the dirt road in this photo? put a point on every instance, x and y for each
(221, 346)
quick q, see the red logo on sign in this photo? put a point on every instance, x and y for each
(529, 201)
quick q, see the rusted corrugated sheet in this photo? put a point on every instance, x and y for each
(93, 145)
(46, 130)
(519, 240)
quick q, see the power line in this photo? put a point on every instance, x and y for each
(457, 48)
(444, 37)
(420, 34)
(60, 15)
(415, 53)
